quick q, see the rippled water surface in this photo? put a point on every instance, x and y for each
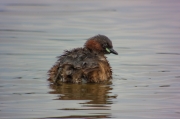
(146, 73)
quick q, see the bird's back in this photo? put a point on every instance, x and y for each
(78, 64)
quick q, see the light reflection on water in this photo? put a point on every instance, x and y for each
(146, 72)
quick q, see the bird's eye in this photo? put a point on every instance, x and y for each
(105, 45)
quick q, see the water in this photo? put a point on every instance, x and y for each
(146, 73)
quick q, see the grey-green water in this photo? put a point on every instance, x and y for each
(146, 73)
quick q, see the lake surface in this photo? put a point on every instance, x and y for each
(146, 73)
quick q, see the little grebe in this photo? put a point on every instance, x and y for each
(88, 63)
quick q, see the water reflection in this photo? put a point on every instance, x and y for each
(96, 93)
(94, 97)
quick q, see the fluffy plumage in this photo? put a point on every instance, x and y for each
(88, 63)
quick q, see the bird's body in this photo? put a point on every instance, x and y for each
(87, 63)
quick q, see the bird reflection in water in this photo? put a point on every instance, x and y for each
(97, 96)
(97, 93)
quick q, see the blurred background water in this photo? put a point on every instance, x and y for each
(146, 73)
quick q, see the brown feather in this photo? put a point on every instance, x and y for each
(87, 63)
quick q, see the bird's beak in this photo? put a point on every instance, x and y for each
(111, 50)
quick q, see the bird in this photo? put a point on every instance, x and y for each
(87, 63)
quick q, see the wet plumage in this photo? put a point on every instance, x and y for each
(87, 63)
